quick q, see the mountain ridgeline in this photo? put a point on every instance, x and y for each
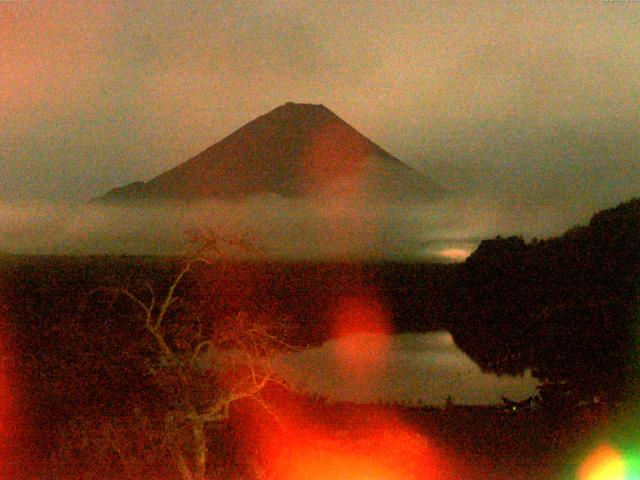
(295, 150)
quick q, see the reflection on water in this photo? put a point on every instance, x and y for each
(421, 368)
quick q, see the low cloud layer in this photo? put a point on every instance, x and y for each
(425, 368)
(328, 228)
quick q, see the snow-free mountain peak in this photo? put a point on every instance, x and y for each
(295, 150)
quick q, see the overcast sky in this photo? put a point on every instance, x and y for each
(530, 105)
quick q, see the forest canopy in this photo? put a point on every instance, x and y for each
(566, 307)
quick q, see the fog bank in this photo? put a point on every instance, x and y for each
(321, 228)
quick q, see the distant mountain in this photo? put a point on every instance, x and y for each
(295, 150)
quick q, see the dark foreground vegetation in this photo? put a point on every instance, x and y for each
(566, 308)
(80, 351)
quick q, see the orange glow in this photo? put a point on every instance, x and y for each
(327, 464)
(330, 464)
(360, 314)
(335, 153)
(357, 314)
(378, 447)
(604, 463)
(455, 254)
(309, 442)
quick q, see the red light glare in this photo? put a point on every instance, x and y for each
(358, 314)
(328, 465)
(375, 449)
(336, 153)
(351, 318)
(7, 411)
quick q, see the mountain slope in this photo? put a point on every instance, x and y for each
(294, 150)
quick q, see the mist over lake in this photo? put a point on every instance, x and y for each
(279, 228)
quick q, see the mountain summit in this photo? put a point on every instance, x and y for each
(295, 150)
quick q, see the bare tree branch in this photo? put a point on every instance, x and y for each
(242, 367)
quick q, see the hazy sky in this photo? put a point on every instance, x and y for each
(532, 105)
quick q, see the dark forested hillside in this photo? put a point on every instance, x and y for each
(565, 307)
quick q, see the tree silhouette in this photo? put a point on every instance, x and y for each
(566, 307)
(199, 367)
